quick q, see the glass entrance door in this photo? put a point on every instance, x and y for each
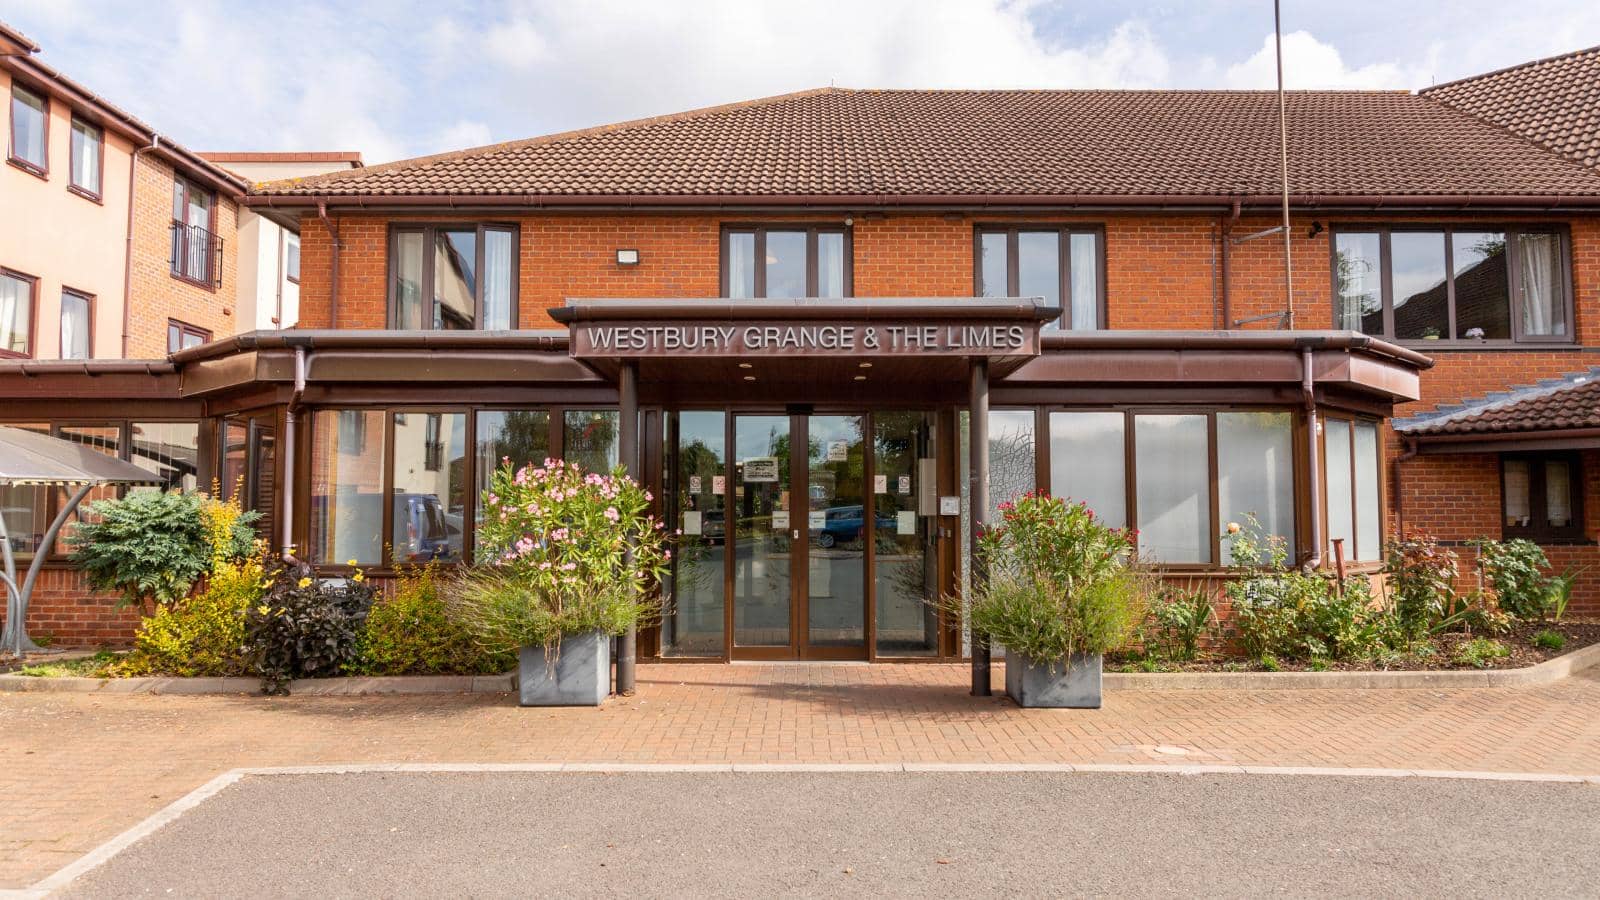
(793, 529)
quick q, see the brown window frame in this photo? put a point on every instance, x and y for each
(291, 242)
(1538, 501)
(33, 315)
(1065, 231)
(430, 232)
(89, 304)
(25, 165)
(1352, 551)
(100, 163)
(185, 329)
(179, 266)
(1511, 230)
(810, 230)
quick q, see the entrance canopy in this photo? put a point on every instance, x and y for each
(28, 458)
(804, 348)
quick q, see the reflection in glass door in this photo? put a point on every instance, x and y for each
(694, 623)
(762, 543)
(905, 556)
(836, 596)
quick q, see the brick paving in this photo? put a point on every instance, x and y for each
(77, 769)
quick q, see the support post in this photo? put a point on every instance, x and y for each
(628, 451)
(978, 480)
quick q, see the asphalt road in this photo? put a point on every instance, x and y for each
(896, 834)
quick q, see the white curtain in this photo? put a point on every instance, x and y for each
(1542, 313)
(86, 157)
(74, 333)
(1085, 283)
(497, 280)
(1557, 494)
(14, 314)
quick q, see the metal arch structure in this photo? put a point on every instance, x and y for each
(30, 459)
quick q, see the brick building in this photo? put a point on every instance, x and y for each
(832, 329)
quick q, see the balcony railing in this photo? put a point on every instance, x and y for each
(196, 255)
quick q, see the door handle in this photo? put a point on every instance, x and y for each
(796, 534)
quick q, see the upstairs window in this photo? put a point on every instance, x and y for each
(1061, 264)
(30, 116)
(16, 313)
(182, 336)
(88, 153)
(76, 319)
(1541, 497)
(452, 277)
(195, 246)
(1467, 286)
(785, 262)
(291, 257)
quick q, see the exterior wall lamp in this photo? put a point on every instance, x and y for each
(627, 257)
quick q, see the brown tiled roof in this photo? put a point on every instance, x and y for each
(284, 156)
(1572, 402)
(1553, 102)
(968, 144)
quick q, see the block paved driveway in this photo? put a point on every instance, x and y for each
(78, 769)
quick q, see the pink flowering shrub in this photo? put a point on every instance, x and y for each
(1059, 581)
(561, 552)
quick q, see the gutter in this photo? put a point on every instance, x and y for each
(127, 253)
(1232, 340)
(333, 339)
(91, 367)
(1218, 202)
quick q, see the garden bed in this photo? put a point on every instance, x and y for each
(1443, 653)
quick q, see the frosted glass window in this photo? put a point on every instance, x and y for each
(1088, 462)
(1341, 503)
(1255, 472)
(347, 462)
(1518, 509)
(1368, 511)
(1012, 472)
(1174, 487)
(741, 265)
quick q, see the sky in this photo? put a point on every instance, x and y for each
(401, 79)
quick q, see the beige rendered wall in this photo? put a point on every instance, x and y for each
(63, 238)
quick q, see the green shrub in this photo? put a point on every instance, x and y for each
(413, 633)
(1549, 639)
(1559, 594)
(1280, 612)
(202, 635)
(305, 627)
(1180, 617)
(1480, 653)
(1421, 578)
(568, 553)
(1515, 570)
(1058, 582)
(152, 546)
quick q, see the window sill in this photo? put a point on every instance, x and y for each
(30, 168)
(1480, 346)
(86, 194)
(12, 354)
(205, 285)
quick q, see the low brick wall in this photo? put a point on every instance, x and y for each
(67, 613)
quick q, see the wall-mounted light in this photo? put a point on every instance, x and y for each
(627, 257)
(1316, 229)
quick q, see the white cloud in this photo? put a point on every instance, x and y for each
(516, 44)
(1310, 64)
(458, 135)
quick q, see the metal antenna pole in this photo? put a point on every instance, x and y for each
(1283, 160)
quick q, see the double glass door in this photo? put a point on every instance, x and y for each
(791, 542)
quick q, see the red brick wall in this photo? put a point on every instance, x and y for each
(156, 295)
(67, 613)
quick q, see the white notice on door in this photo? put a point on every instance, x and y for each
(906, 522)
(719, 484)
(761, 469)
(905, 484)
(694, 484)
(880, 484)
(838, 451)
(780, 520)
(691, 521)
(819, 519)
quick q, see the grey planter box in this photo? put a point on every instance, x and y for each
(582, 673)
(1074, 685)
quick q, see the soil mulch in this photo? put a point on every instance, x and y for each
(1579, 634)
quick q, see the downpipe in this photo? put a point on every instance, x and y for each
(291, 418)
